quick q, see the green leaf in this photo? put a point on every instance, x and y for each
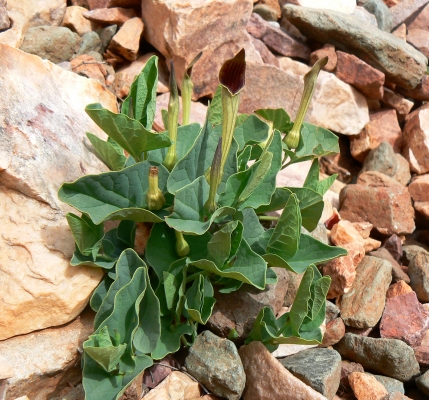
(115, 195)
(252, 227)
(214, 112)
(312, 181)
(253, 130)
(199, 300)
(87, 235)
(143, 94)
(285, 239)
(244, 158)
(299, 308)
(219, 247)
(189, 215)
(100, 293)
(278, 116)
(79, 259)
(130, 134)
(108, 153)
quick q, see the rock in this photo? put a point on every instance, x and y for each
(94, 4)
(359, 74)
(274, 4)
(404, 318)
(419, 39)
(126, 42)
(238, 310)
(403, 174)
(398, 274)
(422, 355)
(398, 103)
(422, 383)
(365, 16)
(80, 3)
(324, 374)
(363, 228)
(383, 127)
(266, 12)
(391, 385)
(390, 357)
(346, 7)
(87, 66)
(401, 32)
(125, 76)
(397, 396)
(90, 42)
(293, 284)
(110, 16)
(421, 20)
(335, 331)
(264, 52)
(51, 361)
(347, 367)
(362, 306)
(4, 18)
(335, 105)
(366, 387)
(267, 379)
(285, 350)
(26, 14)
(177, 385)
(394, 246)
(184, 38)
(405, 9)
(380, 12)
(344, 232)
(76, 22)
(342, 270)
(418, 270)
(332, 311)
(198, 110)
(411, 250)
(382, 158)
(421, 91)
(216, 364)
(45, 104)
(53, 43)
(154, 375)
(106, 34)
(419, 188)
(400, 62)
(380, 200)
(328, 50)
(276, 39)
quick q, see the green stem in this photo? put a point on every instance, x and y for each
(187, 89)
(190, 278)
(268, 218)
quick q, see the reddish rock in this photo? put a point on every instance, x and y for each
(421, 21)
(76, 22)
(110, 16)
(364, 228)
(397, 289)
(94, 4)
(344, 232)
(371, 244)
(419, 38)
(362, 76)
(362, 306)
(391, 3)
(397, 273)
(419, 188)
(416, 141)
(342, 270)
(383, 127)
(366, 387)
(274, 4)
(401, 32)
(335, 331)
(422, 208)
(397, 102)
(380, 200)
(404, 318)
(420, 92)
(264, 51)
(394, 246)
(405, 9)
(126, 42)
(328, 50)
(347, 367)
(154, 375)
(88, 66)
(422, 355)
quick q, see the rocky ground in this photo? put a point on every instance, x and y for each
(372, 93)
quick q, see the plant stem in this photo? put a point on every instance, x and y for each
(268, 218)
(190, 278)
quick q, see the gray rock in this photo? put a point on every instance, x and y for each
(397, 273)
(76, 393)
(418, 271)
(90, 42)
(4, 17)
(422, 383)
(318, 368)
(332, 311)
(293, 285)
(391, 385)
(381, 159)
(96, 56)
(390, 357)
(54, 43)
(216, 364)
(366, 16)
(266, 12)
(106, 35)
(400, 62)
(380, 11)
(410, 250)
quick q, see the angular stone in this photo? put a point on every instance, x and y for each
(154, 375)
(87, 66)
(391, 385)
(335, 105)
(238, 310)
(363, 228)
(422, 355)
(385, 203)
(394, 246)
(401, 32)
(397, 102)
(53, 43)
(410, 250)
(106, 34)
(43, 363)
(383, 127)
(90, 43)
(266, 12)
(347, 367)
(267, 379)
(185, 38)
(400, 62)
(380, 12)
(418, 270)
(405, 9)
(403, 173)
(422, 383)
(404, 318)
(363, 305)
(274, 4)
(328, 50)
(419, 39)
(76, 22)
(342, 270)
(421, 20)
(346, 7)
(44, 105)
(324, 374)
(335, 331)
(264, 52)
(293, 285)
(126, 42)
(344, 232)
(177, 385)
(216, 364)
(397, 396)
(359, 74)
(4, 18)
(382, 157)
(332, 311)
(390, 357)
(419, 188)
(398, 274)
(365, 16)
(110, 16)
(366, 387)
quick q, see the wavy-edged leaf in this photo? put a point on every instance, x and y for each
(199, 300)
(108, 153)
(87, 235)
(278, 116)
(251, 131)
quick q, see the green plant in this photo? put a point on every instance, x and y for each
(206, 208)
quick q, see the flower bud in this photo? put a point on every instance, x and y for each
(154, 198)
(182, 246)
(187, 89)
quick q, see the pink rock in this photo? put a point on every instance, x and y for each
(419, 188)
(399, 103)
(154, 375)
(335, 331)
(364, 228)
(110, 16)
(347, 367)
(419, 38)
(362, 76)
(421, 21)
(342, 270)
(420, 92)
(404, 318)
(422, 355)
(264, 51)
(126, 42)
(88, 66)
(328, 50)
(397, 289)
(371, 244)
(397, 273)
(401, 32)
(422, 207)
(366, 387)
(75, 21)
(344, 232)
(405, 9)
